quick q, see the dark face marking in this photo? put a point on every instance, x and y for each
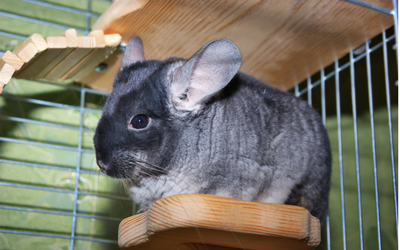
(136, 133)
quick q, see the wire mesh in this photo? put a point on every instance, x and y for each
(358, 104)
(359, 113)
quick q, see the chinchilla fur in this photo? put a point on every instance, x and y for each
(201, 126)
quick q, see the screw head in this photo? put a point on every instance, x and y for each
(101, 67)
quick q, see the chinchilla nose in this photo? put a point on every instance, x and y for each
(102, 166)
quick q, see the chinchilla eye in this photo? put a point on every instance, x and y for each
(140, 121)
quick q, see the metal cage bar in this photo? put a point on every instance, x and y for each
(339, 125)
(353, 104)
(371, 108)
(389, 107)
(344, 66)
(337, 70)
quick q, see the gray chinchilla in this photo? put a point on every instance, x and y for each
(201, 126)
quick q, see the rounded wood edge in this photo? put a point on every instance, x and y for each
(315, 232)
(220, 213)
(132, 230)
(118, 10)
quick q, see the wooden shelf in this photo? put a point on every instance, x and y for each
(58, 58)
(281, 42)
(200, 221)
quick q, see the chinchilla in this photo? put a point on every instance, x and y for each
(201, 126)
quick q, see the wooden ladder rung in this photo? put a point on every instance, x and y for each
(58, 58)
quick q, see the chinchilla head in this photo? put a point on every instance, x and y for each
(151, 104)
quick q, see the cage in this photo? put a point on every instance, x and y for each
(54, 197)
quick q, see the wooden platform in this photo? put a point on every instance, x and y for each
(281, 42)
(58, 58)
(199, 221)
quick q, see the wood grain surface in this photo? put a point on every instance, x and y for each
(12, 59)
(56, 45)
(281, 42)
(98, 56)
(59, 58)
(6, 72)
(188, 221)
(71, 40)
(85, 46)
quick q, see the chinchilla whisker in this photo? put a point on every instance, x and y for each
(149, 164)
(150, 167)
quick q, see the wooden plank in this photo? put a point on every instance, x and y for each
(36, 39)
(30, 48)
(98, 53)
(71, 38)
(56, 42)
(26, 51)
(101, 80)
(193, 219)
(12, 59)
(81, 67)
(71, 41)
(112, 40)
(95, 58)
(99, 37)
(6, 72)
(85, 46)
(56, 45)
(281, 42)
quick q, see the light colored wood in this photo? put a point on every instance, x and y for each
(12, 59)
(86, 42)
(102, 80)
(56, 45)
(56, 42)
(29, 49)
(71, 38)
(119, 9)
(194, 219)
(63, 53)
(85, 46)
(26, 52)
(281, 42)
(87, 64)
(95, 58)
(99, 38)
(90, 63)
(67, 56)
(2, 85)
(6, 72)
(36, 39)
(112, 40)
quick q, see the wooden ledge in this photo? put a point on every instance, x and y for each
(281, 42)
(59, 58)
(199, 221)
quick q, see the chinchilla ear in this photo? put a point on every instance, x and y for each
(205, 74)
(133, 52)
